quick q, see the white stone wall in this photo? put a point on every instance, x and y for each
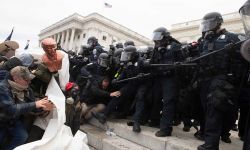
(189, 31)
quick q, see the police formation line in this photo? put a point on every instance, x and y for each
(204, 84)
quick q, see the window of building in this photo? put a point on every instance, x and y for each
(78, 36)
(84, 35)
(104, 38)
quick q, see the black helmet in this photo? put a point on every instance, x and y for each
(211, 22)
(92, 41)
(103, 60)
(127, 43)
(119, 45)
(117, 55)
(160, 33)
(129, 54)
(118, 52)
(245, 17)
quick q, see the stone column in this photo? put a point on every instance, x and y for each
(62, 40)
(66, 40)
(80, 40)
(71, 39)
(57, 37)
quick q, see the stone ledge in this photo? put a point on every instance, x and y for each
(179, 141)
(100, 141)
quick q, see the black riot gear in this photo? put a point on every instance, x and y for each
(92, 41)
(161, 37)
(127, 43)
(245, 16)
(129, 54)
(119, 45)
(211, 22)
(160, 33)
(145, 52)
(117, 55)
(103, 60)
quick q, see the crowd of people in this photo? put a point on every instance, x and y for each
(203, 84)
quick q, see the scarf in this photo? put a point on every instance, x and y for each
(18, 91)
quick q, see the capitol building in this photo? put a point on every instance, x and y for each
(74, 30)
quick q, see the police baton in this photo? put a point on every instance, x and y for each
(142, 75)
(174, 65)
(226, 47)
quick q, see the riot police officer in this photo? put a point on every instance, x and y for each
(216, 82)
(95, 48)
(167, 50)
(245, 15)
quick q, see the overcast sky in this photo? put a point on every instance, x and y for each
(29, 17)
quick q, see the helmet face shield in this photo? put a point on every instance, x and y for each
(208, 25)
(126, 56)
(245, 15)
(157, 36)
(103, 62)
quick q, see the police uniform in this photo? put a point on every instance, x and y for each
(165, 85)
(217, 90)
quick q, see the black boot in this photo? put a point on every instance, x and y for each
(100, 117)
(226, 139)
(207, 147)
(199, 135)
(186, 128)
(136, 127)
(162, 133)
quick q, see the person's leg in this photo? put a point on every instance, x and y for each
(156, 103)
(85, 109)
(97, 109)
(139, 106)
(168, 111)
(18, 135)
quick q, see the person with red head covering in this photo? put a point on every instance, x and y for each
(52, 57)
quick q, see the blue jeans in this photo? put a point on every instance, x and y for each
(17, 133)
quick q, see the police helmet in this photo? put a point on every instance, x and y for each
(129, 54)
(117, 55)
(245, 17)
(92, 41)
(127, 43)
(211, 21)
(103, 60)
(160, 33)
(119, 45)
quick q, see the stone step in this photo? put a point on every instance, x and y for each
(98, 139)
(178, 141)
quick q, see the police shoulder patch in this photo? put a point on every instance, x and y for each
(136, 64)
(222, 37)
(169, 47)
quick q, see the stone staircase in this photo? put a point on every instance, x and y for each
(126, 139)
